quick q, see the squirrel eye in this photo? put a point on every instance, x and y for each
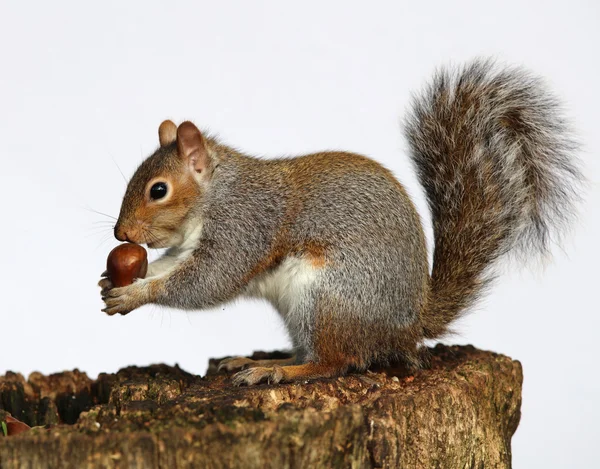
(158, 191)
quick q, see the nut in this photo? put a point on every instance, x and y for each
(125, 263)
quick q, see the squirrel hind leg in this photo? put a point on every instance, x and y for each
(276, 374)
(241, 363)
(276, 371)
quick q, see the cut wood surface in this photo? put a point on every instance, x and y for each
(459, 413)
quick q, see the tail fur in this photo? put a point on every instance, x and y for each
(495, 159)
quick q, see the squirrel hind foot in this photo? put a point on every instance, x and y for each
(276, 374)
(242, 363)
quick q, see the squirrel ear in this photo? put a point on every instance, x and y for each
(190, 145)
(167, 133)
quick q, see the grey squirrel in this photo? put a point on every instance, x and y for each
(333, 241)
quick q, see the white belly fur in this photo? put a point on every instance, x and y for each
(286, 287)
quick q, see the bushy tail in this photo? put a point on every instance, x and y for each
(495, 159)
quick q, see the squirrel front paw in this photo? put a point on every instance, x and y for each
(123, 300)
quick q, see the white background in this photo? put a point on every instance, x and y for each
(83, 89)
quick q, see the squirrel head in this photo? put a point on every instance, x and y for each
(166, 188)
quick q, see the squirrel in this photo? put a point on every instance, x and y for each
(333, 241)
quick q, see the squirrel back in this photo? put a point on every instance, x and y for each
(495, 159)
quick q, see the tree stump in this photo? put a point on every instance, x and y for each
(459, 413)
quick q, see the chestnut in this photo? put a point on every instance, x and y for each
(125, 263)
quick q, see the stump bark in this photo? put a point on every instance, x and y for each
(460, 413)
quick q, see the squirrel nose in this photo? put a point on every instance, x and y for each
(121, 234)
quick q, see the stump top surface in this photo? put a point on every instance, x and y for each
(478, 391)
